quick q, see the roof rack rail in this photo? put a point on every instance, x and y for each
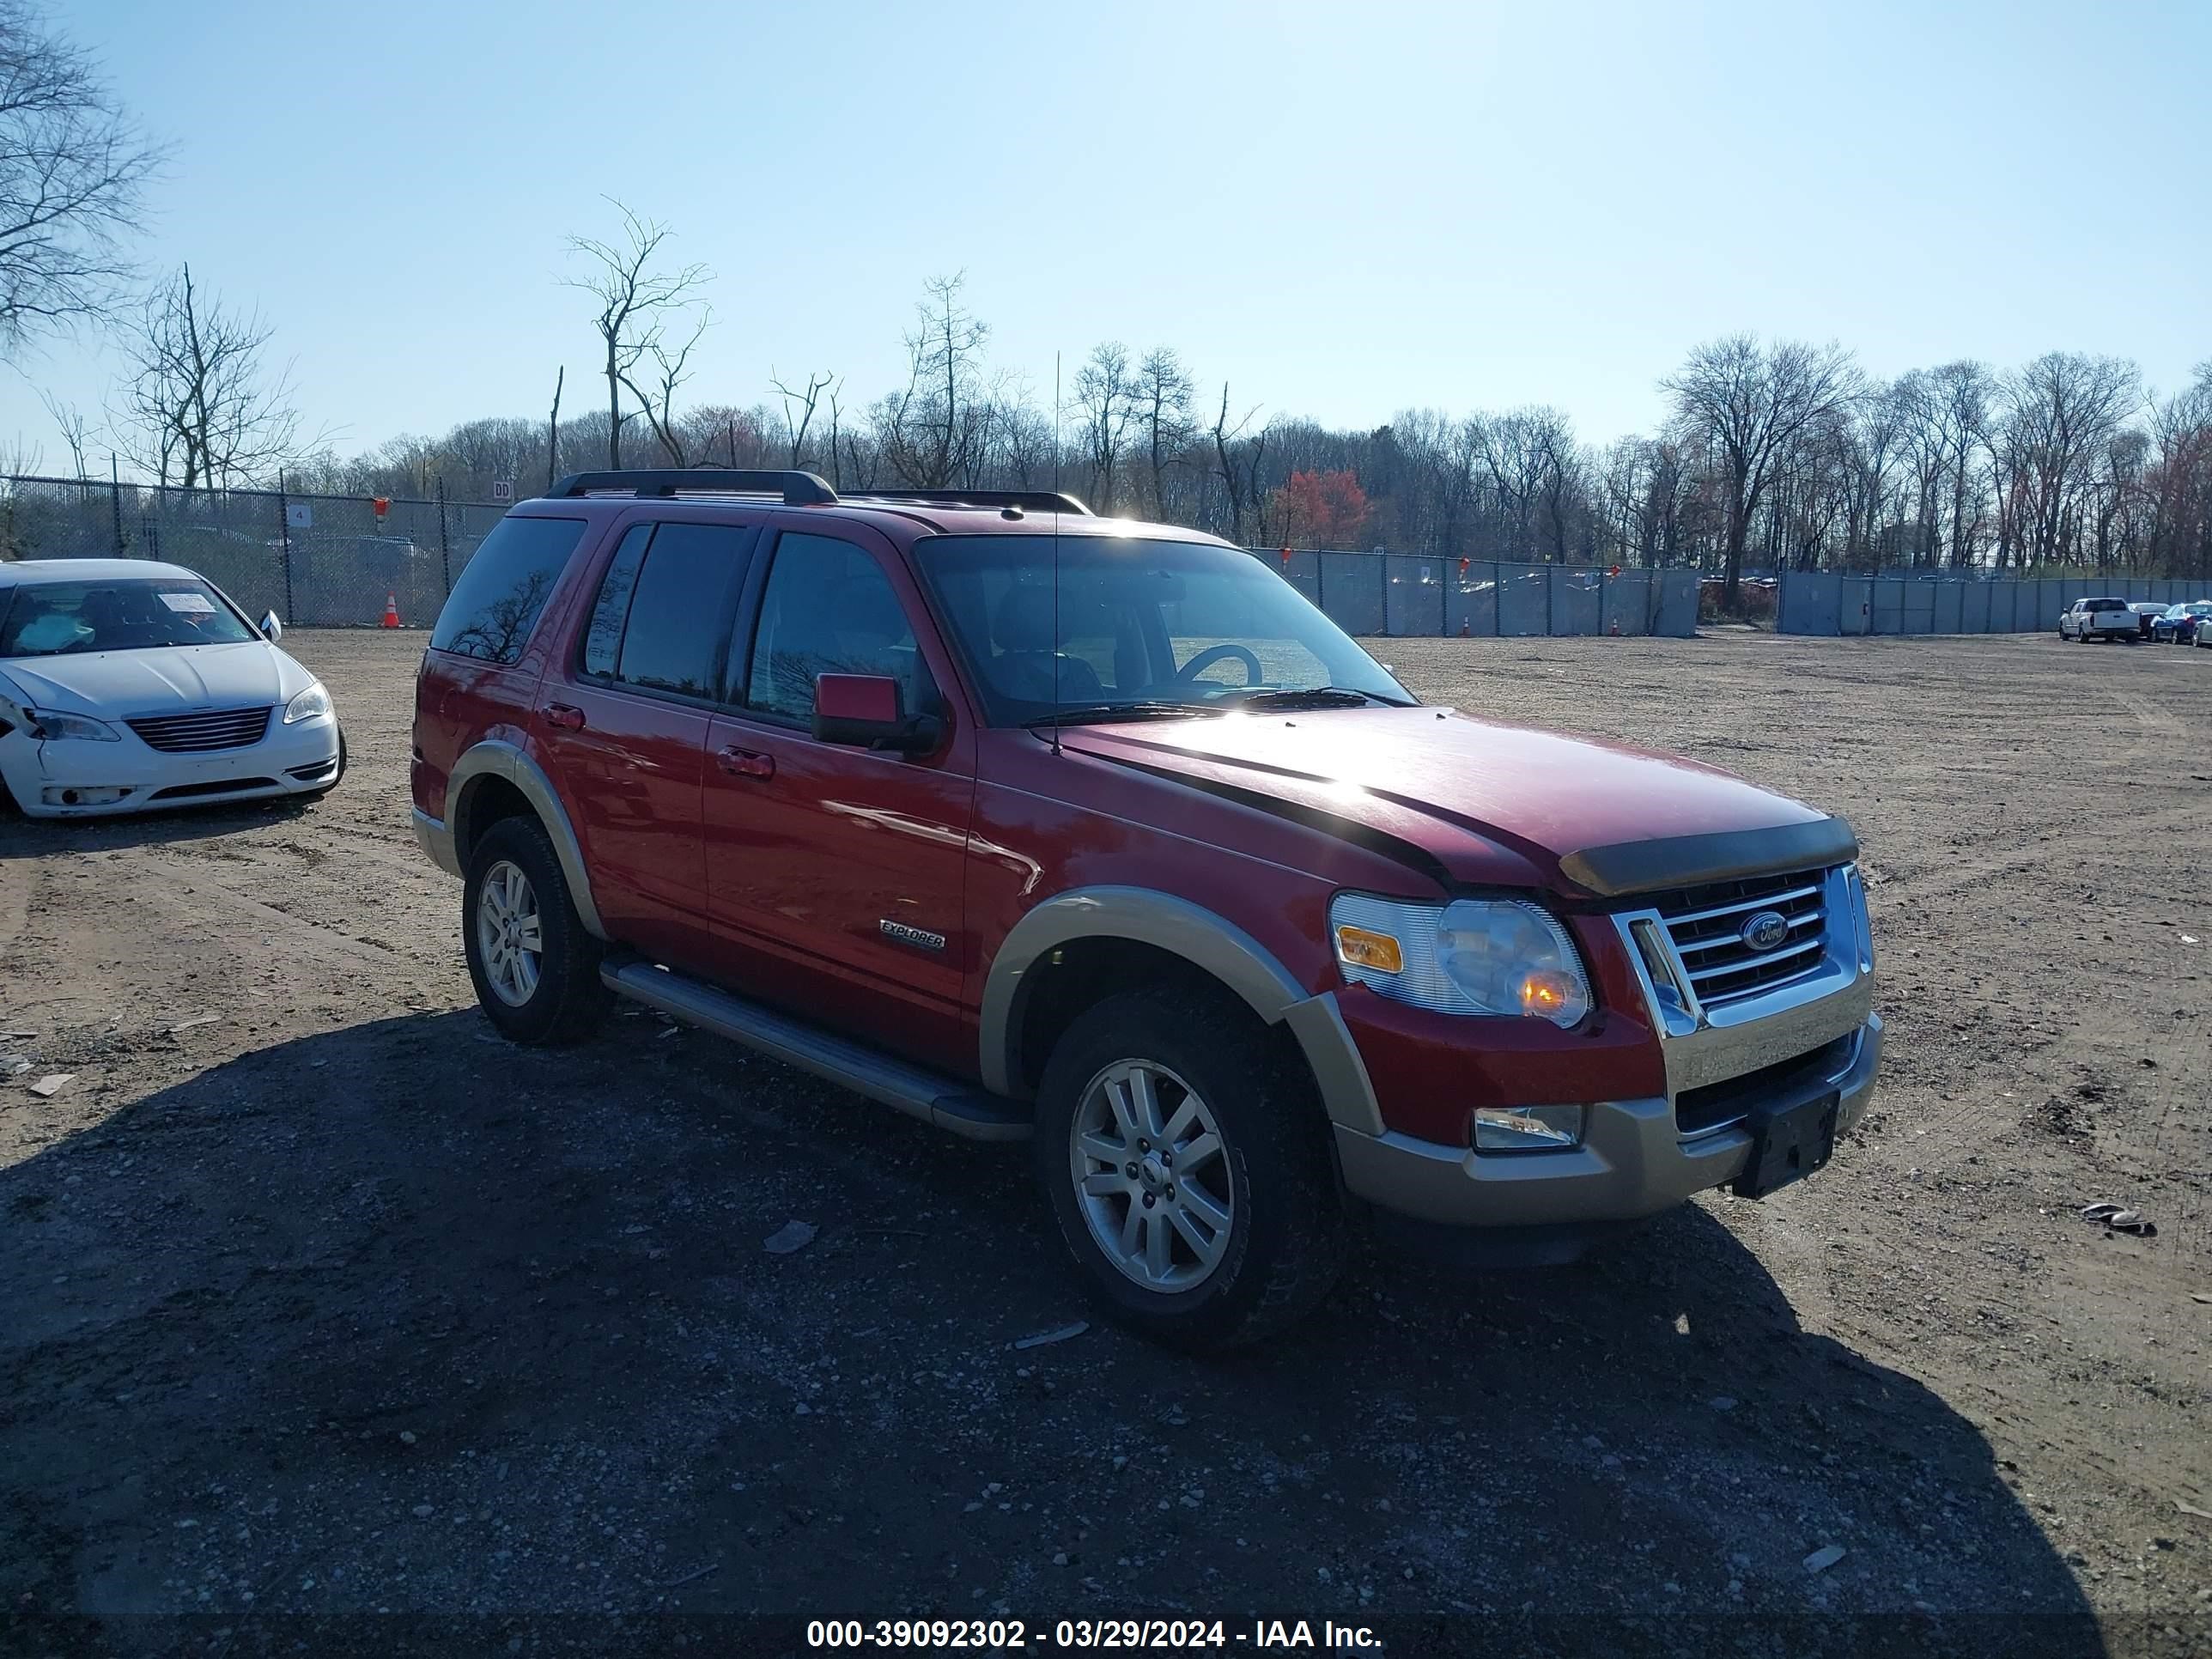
(797, 489)
(1031, 501)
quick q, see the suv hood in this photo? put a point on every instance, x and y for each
(1471, 801)
(161, 680)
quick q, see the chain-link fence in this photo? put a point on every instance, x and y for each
(334, 561)
(1405, 594)
(316, 560)
(1821, 602)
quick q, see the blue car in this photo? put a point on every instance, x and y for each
(2177, 624)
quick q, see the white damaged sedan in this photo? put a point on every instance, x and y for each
(127, 684)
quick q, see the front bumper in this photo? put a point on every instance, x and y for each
(113, 779)
(1633, 1161)
(1668, 1130)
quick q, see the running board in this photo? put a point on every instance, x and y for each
(918, 1092)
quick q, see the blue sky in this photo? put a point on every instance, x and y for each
(1342, 210)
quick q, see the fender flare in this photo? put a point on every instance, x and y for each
(496, 758)
(1206, 941)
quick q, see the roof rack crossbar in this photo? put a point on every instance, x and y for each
(797, 489)
(1029, 500)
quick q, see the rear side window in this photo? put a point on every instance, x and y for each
(497, 601)
(662, 614)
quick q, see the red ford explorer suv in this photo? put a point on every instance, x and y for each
(1039, 825)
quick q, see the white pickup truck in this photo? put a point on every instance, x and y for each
(2098, 619)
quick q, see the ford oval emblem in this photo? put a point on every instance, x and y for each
(1765, 931)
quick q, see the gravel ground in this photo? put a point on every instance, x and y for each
(335, 1304)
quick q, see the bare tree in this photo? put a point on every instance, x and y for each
(634, 299)
(1963, 390)
(200, 405)
(1165, 390)
(553, 430)
(804, 400)
(928, 432)
(1239, 469)
(73, 172)
(2061, 413)
(1752, 404)
(76, 430)
(671, 369)
(1106, 397)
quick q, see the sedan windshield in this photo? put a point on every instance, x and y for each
(1105, 627)
(136, 613)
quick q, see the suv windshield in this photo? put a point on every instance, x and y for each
(140, 613)
(1137, 628)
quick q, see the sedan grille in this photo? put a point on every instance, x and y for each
(198, 733)
(1707, 925)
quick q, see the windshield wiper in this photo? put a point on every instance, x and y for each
(1314, 697)
(1081, 714)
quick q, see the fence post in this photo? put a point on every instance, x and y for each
(115, 500)
(284, 531)
(1382, 582)
(445, 552)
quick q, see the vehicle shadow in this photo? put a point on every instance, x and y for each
(27, 837)
(400, 1316)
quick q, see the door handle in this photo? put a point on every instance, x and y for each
(746, 763)
(566, 715)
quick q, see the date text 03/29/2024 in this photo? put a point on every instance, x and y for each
(1126, 1634)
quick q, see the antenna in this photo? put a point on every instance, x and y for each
(1055, 553)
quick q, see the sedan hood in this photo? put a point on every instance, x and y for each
(165, 680)
(1471, 801)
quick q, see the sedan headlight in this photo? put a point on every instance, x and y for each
(1499, 957)
(310, 703)
(52, 726)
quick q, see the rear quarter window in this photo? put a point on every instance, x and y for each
(503, 590)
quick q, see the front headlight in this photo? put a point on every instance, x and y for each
(310, 703)
(52, 726)
(1498, 957)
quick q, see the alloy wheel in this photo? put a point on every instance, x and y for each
(510, 937)
(1151, 1176)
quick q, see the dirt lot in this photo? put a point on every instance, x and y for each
(338, 1304)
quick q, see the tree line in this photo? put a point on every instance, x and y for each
(1773, 454)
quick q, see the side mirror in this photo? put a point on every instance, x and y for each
(864, 710)
(271, 630)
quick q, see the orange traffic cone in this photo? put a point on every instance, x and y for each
(391, 611)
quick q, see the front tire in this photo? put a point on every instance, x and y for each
(535, 969)
(1187, 1162)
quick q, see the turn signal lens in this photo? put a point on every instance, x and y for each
(1545, 994)
(1362, 947)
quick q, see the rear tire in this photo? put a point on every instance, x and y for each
(1255, 1229)
(536, 970)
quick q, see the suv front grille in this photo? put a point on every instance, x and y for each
(198, 733)
(1706, 925)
